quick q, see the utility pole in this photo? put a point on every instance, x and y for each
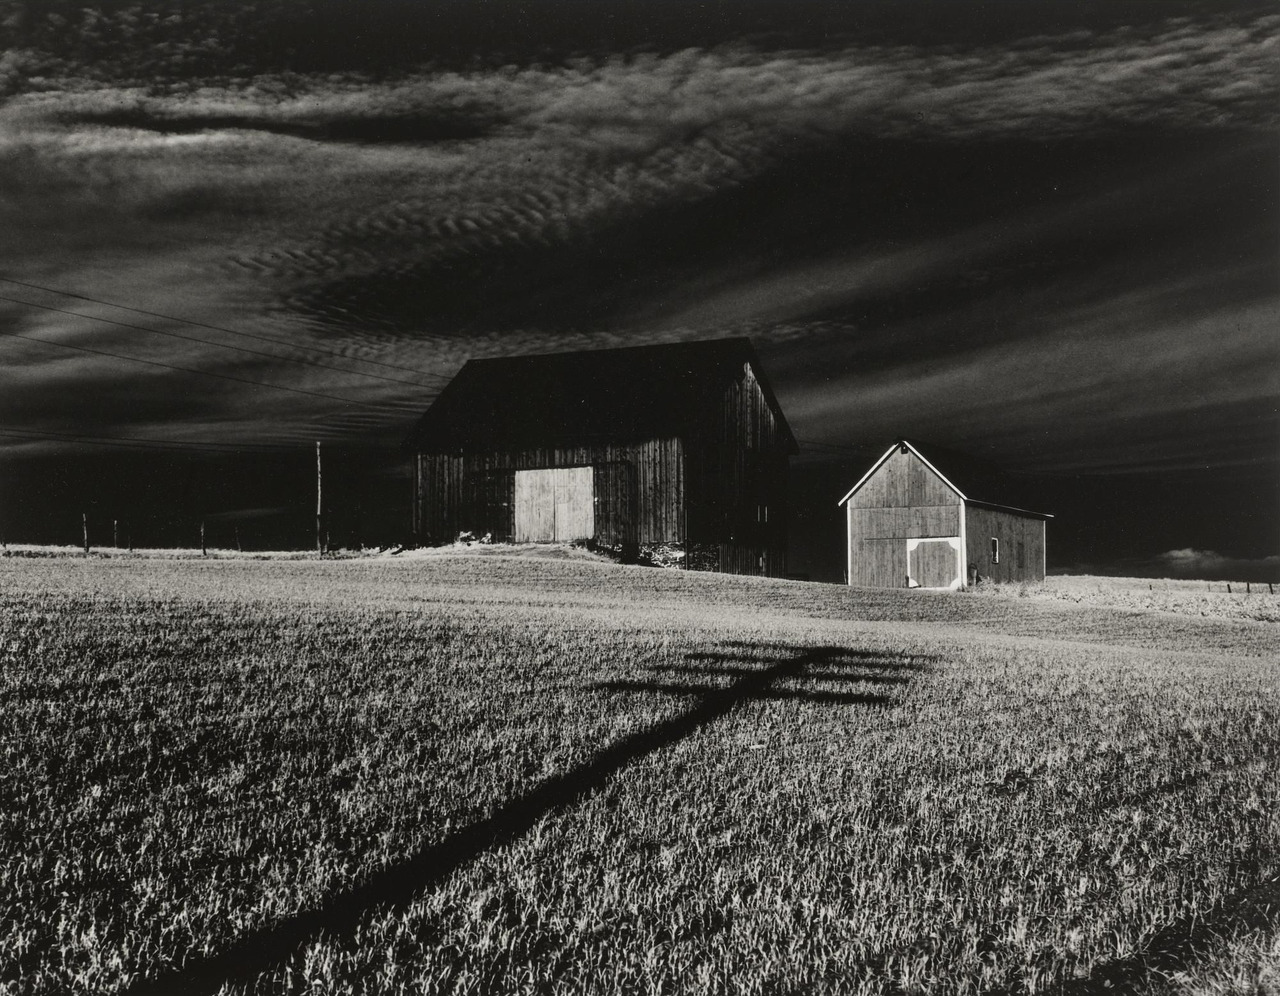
(319, 504)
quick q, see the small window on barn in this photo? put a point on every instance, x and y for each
(995, 550)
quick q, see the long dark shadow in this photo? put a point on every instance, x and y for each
(768, 694)
(398, 885)
(847, 655)
(1178, 944)
(809, 674)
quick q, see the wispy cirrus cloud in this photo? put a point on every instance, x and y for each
(544, 156)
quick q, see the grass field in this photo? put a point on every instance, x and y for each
(512, 774)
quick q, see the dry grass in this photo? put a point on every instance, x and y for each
(698, 783)
(1247, 964)
(1210, 599)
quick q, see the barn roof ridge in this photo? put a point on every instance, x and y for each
(674, 345)
(649, 387)
(973, 471)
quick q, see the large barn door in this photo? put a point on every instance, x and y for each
(575, 504)
(535, 513)
(554, 504)
(934, 563)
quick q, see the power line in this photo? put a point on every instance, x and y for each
(149, 446)
(217, 328)
(829, 446)
(145, 442)
(207, 342)
(304, 439)
(209, 373)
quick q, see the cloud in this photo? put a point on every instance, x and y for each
(544, 155)
(437, 214)
(1213, 566)
(1117, 384)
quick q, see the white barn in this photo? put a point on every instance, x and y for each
(925, 521)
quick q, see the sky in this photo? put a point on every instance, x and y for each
(1043, 233)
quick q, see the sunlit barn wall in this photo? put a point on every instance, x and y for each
(902, 500)
(911, 523)
(1021, 544)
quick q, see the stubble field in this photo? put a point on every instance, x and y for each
(512, 774)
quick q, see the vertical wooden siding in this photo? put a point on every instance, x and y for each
(903, 481)
(574, 503)
(723, 488)
(736, 469)
(639, 490)
(907, 523)
(935, 563)
(902, 500)
(881, 563)
(555, 503)
(981, 524)
(534, 511)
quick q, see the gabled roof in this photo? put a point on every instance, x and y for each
(588, 396)
(975, 481)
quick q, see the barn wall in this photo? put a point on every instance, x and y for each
(639, 490)
(737, 471)
(908, 523)
(903, 481)
(879, 562)
(1025, 564)
(902, 500)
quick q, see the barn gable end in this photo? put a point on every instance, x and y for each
(913, 520)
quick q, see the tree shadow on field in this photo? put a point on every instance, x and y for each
(752, 672)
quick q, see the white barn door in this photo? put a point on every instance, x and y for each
(575, 504)
(934, 562)
(535, 500)
(555, 504)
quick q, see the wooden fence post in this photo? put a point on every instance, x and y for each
(1228, 587)
(115, 533)
(84, 524)
(319, 506)
(203, 550)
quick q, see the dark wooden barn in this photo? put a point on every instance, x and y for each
(680, 446)
(923, 518)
